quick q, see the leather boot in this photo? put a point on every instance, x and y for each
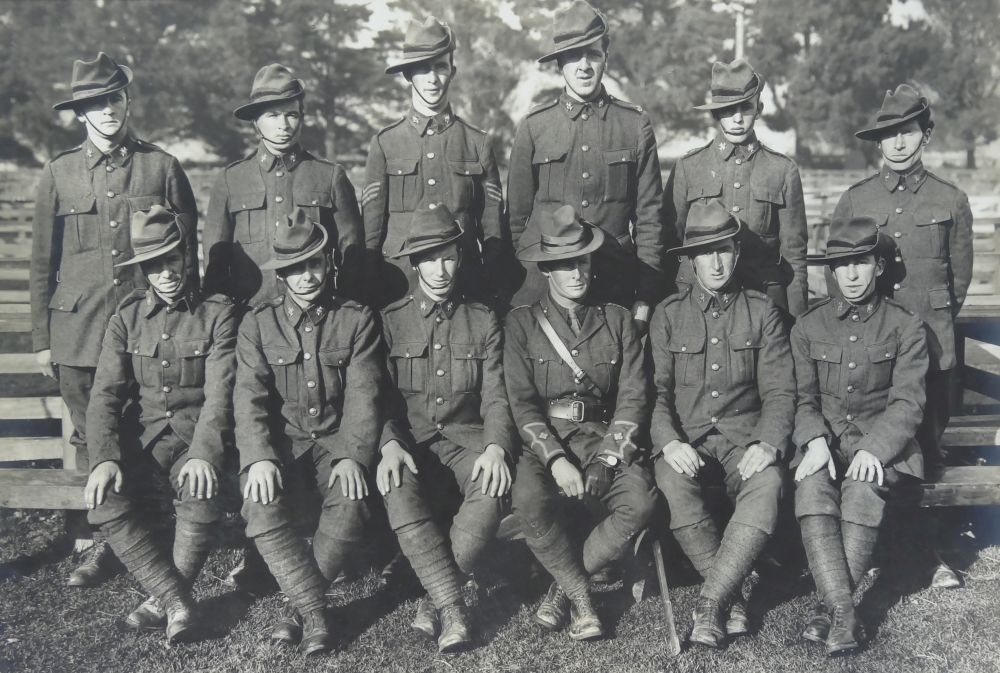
(584, 624)
(149, 615)
(455, 631)
(251, 574)
(708, 628)
(552, 611)
(844, 629)
(426, 620)
(182, 627)
(99, 563)
(944, 577)
(738, 623)
(316, 637)
(818, 626)
(288, 629)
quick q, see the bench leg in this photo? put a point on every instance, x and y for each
(69, 451)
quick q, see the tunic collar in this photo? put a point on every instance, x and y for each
(154, 302)
(574, 108)
(437, 124)
(727, 150)
(845, 310)
(427, 306)
(294, 313)
(722, 300)
(119, 156)
(911, 179)
(267, 161)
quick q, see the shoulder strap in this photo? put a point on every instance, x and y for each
(557, 343)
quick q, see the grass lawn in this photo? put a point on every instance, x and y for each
(47, 627)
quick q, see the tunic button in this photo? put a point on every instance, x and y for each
(170, 414)
(737, 185)
(440, 426)
(585, 203)
(109, 168)
(279, 199)
(309, 328)
(898, 234)
(715, 314)
(855, 317)
(736, 209)
(715, 367)
(313, 435)
(896, 286)
(437, 347)
(715, 419)
(850, 417)
(431, 181)
(115, 252)
(113, 224)
(170, 309)
(165, 336)
(281, 361)
(852, 365)
(850, 389)
(280, 174)
(430, 155)
(684, 349)
(310, 384)
(748, 342)
(901, 187)
(111, 195)
(117, 281)
(439, 400)
(715, 393)
(314, 202)
(197, 351)
(430, 132)
(574, 352)
(440, 372)
(898, 258)
(165, 363)
(437, 319)
(167, 389)
(739, 162)
(899, 211)
(307, 356)
(585, 175)
(853, 338)
(313, 411)
(715, 341)
(585, 148)
(585, 117)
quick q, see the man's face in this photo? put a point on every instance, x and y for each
(583, 69)
(736, 122)
(569, 278)
(436, 269)
(856, 276)
(280, 124)
(903, 146)
(307, 278)
(165, 274)
(430, 80)
(104, 116)
(714, 264)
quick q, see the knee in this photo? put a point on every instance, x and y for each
(769, 482)
(199, 511)
(817, 495)
(404, 504)
(863, 503)
(671, 482)
(637, 509)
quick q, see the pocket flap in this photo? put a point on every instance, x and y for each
(194, 348)
(703, 187)
(148, 349)
(408, 350)
(401, 166)
(740, 341)
(73, 205)
(620, 156)
(338, 357)
(825, 352)
(882, 352)
(468, 351)
(605, 355)
(466, 167)
(313, 197)
(939, 297)
(282, 355)
(137, 203)
(769, 193)
(65, 298)
(549, 152)
(680, 343)
(246, 201)
(933, 215)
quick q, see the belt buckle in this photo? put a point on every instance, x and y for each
(578, 410)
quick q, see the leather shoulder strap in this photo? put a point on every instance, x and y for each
(557, 343)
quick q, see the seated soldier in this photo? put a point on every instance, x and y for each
(725, 401)
(171, 350)
(860, 361)
(307, 379)
(451, 429)
(577, 391)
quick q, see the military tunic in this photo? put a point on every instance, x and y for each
(723, 383)
(253, 196)
(599, 157)
(307, 382)
(431, 160)
(860, 372)
(178, 362)
(760, 187)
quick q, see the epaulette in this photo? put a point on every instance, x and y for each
(611, 304)
(391, 126)
(344, 302)
(398, 304)
(542, 106)
(775, 152)
(699, 149)
(892, 302)
(471, 127)
(478, 305)
(132, 297)
(71, 150)
(142, 144)
(268, 303)
(625, 104)
(942, 180)
(864, 180)
(677, 296)
(816, 306)
(756, 294)
(246, 158)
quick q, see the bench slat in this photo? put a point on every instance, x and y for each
(30, 448)
(18, 408)
(42, 489)
(961, 486)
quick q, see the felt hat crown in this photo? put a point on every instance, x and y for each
(732, 83)
(93, 79)
(424, 41)
(154, 232)
(430, 227)
(851, 237)
(898, 108)
(295, 240)
(576, 26)
(273, 83)
(707, 222)
(553, 236)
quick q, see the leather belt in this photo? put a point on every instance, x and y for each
(577, 410)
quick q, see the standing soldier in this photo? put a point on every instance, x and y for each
(597, 153)
(930, 222)
(860, 362)
(176, 348)
(453, 431)
(757, 185)
(432, 156)
(307, 380)
(577, 391)
(253, 197)
(725, 401)
(86, 199)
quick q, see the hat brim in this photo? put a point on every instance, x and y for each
(149, 254)
(877, 131)
(250, 111)
(284, 262)
(424, 247)
(400, 66)
(532, 252)
(582, 42)
(74, 102)
(881, 245)
(692, 248)
(724, 104)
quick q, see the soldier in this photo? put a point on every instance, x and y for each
(432, 156)
(577, 391)
(758, 185)
(307, 417)
(725, 401)
(452, 431)
(598, 153)
(86, 199)
(176, 348)
(860, 361)
(930, 222)
(253, 196)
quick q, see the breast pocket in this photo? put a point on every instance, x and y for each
(689, 359)
(703, 187)
(931, 235)
(606, 365)
(762, 218)
(467, 367)
(827, 361)
(409, 360)
(404, 184)
(620, 179)
(744, 347)
(317, 204)
(464, 175)
(549, 163)
(145, 361)
(79, 228)
(283, 361)
(549, 380)
(334, 365)
(882, 360)
(249, 210)
(192, 354)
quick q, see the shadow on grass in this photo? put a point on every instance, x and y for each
(227, 611)
(52, 551)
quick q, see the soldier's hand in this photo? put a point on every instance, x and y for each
(263, 482)
(683, 458)
(568, 478)
(100, 478)
(598, 479)
(757, 458)
(817, 455)
(352, 479)
(496, 474)
(389, 472)
(203, 481)
(866, 467)
(44, 360)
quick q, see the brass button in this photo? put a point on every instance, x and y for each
(437, 319)
(585, 203)
(167, 389)
(850, 389)
(431, 181)
(430, 155)
(281, 361)
(170, 309)
(715, 314)
(280, 174)
(165, 363)
(111, 195)
(313, 411)
(715, 393)
(715, 367)
(898, 234)
(853, 338)
(585, 117)
(850, 417)
(309, 328)
(736, 209)
(574, 352)
(749, 342)
(310, 384)
(739, 162)
(313, 435)
(197, 351)
(440, 372)
(430, 132)
(737, 185)
(896, 286)
(440, 426)
(901, 187)
(307, 356)
(437, 347)
(899, 211)
(585, 148)
(113, 224)
(439, 400)
(855, 317)
(279, 199)
(170, 414)
(684, 349)
(852, 365)
(117, 281)
(314, 202)
(585, 175)
(715, 341)
(115, 252)
(109, 168)
(715, 419)
(165, 336)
